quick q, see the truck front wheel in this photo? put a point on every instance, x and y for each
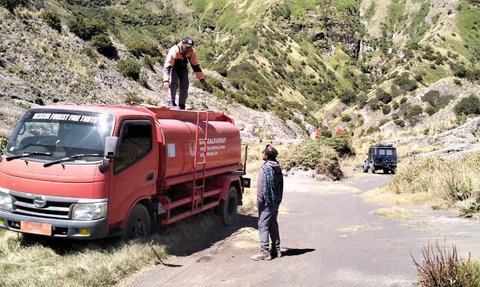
(228, 207)
(138, 224)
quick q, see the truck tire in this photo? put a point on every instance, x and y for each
(373, 168)
(228, 207)
(365, 167)
(138, 224)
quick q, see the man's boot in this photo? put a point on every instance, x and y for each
(263, 255)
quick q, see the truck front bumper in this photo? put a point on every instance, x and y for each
(60, 228)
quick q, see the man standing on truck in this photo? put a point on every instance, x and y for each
(269, 197)
(176, 70)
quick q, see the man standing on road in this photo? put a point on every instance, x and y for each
(269, 197)
(175, 70)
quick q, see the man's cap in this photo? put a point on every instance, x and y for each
(188, 42)
(270, 152)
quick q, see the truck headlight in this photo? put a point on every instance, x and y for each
(6, 202)
(89, 211)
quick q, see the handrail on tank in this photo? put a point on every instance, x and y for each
(167, 113)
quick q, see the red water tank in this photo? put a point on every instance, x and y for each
(222, 152)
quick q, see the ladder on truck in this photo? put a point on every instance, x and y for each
(199, 163)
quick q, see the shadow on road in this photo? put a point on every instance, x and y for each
(296, 251)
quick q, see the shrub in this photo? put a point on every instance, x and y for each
(440, 267)
(346, 118)
(104, 46)
(386, 109)
(132, 99)
(315, 154)
(405, 83)
(10, 5)
(52, 20)
(341, 145)
(129, 68)
(383, 96)
(140, 47)
(413, 113)
(468, 106)
(347, 97)
(87, 28)
(399, 122)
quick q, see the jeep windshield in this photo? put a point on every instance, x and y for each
(49, 135)
(386, 151)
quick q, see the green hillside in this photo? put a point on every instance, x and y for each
(315, 62)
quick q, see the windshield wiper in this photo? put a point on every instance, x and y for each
(69, 158)
(27, 154)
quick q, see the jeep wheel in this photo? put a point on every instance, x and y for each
(365, 167)
(373, 168)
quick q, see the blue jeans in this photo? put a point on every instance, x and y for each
(268, 225)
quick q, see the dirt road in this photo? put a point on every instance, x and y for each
(330, 238)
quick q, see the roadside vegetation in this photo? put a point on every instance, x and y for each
(441, 266)
(455, 181)
(46, 263)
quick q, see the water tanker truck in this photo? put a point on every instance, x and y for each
(88, 172)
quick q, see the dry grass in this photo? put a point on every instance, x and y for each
(393, 213)
(358, 229)
(247, 238)
(442, 267)
(445, 182)
(99, 263)
(385, 196)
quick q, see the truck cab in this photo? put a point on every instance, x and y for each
(381, 157)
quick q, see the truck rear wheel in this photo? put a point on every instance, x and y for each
(228, 207)
(138, 224)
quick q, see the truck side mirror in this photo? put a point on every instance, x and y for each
(110, 146)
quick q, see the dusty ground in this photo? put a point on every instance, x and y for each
(330, 237)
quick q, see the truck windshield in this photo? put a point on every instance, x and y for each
(56, 134)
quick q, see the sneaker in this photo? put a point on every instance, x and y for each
(279, 252)
(263, 255)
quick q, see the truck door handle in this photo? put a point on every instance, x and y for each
(150, 176)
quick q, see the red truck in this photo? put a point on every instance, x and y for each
(88, 172)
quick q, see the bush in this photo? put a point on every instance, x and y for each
(347, 97)
(129, 68)
(132, 99)
(413, 113)
(104, 46)
(10, 5)
(346, 118)
(405, 83)
(386, 109)
(468, 106)
(140, 47)
(440, 267)
(52, 20)
(399, 122)
(315, 154)
(87, 28)
(383, 96)
(341, 145)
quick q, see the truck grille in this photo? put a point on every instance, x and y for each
(55, 207)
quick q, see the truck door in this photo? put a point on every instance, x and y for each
(134, 168)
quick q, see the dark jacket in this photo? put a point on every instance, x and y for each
(270, 185)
